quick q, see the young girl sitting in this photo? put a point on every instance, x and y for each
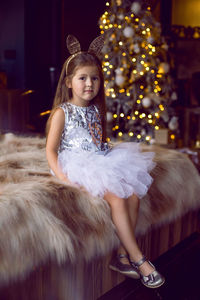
(78, 155)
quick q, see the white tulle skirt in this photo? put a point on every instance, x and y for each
(123, 170)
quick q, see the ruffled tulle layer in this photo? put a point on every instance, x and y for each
(123, 170)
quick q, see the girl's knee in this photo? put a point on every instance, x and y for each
(114, 200)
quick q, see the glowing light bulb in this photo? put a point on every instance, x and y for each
(120, 133)
(130, 133)
(156, 127)
(115, 116)
(122, 115)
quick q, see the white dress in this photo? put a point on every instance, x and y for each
(87, 161)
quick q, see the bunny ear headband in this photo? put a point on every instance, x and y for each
(74, 47)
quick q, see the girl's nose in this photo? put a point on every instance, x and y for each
(89, 82)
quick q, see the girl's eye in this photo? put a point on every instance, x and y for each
(82, 78)
(95, 78)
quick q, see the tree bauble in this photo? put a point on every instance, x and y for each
(173, 123)
(135, 7)
(163, 68)
(128, 32)
(109, 116)
(146, 102)
(119, 80)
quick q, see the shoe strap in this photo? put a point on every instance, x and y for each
(140, 262)
(122, 255)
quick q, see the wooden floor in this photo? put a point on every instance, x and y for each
(181, 268)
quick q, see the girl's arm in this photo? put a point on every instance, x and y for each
(53, 142)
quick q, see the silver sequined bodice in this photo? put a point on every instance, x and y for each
(82, 130)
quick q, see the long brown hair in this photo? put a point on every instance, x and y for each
(63, 93)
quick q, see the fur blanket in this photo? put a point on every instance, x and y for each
(41, 218)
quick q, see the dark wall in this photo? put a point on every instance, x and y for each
(12, 42)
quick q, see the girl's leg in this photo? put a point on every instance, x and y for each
(123, 223)
(133, 208)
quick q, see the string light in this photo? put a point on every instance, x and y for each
(115, 116)
(130, 133)
(120, 133)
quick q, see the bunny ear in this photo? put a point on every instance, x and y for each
(97, 45)
(73, 44)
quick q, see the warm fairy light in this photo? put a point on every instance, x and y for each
(102, 32)
(107, 3)
(113, 96)
(139, 136)
(141, 96)
(172, 136)
(108, 139)
(161, 107)
(147, 138)
(122, 90)
(128, 94)
(111, 26)
(130, 133)
(119, 26)
(134, 71)
(155, 90)
(105, 69)
(142, 62)
(47, 112)
(117, 127)
(128, 117)
(156, 82)
(141, 87)
(143, 55)
(157, 115)
(104, 21)
(133, 118)
(122, 115)
(136, 112)
(115, 116)
(120, 43)
(132, 15)
(143, 24)
(148, 8)
(149, 116)
(152, 71)
(141, 73)
(138, 101)
(133, 59)
(124, 54)
(120, 133)
(150, 53)
(108, 73)
(156, 127)
(148, 29)
(136, 20)
(147, 68)
(150, 121)
(144, 32)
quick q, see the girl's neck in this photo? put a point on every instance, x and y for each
(86, 104)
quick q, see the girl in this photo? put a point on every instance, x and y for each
(78, 155)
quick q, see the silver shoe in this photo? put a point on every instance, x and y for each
(125, 269)
(154, 279)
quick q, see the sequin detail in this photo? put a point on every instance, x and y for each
(82, 129)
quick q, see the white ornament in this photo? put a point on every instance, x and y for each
(136, 48)
(109, 116)
(150, 40)
(121, 16)
(135, 7)
(174, 96)
(146, 102)
(118, 71)
(128, 32)
(119, 80)
(173, 123)
(163, 68)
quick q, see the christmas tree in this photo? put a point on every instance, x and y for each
(139, 87)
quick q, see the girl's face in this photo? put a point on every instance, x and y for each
(85, 85)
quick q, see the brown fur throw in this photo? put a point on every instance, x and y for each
(41, 218)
